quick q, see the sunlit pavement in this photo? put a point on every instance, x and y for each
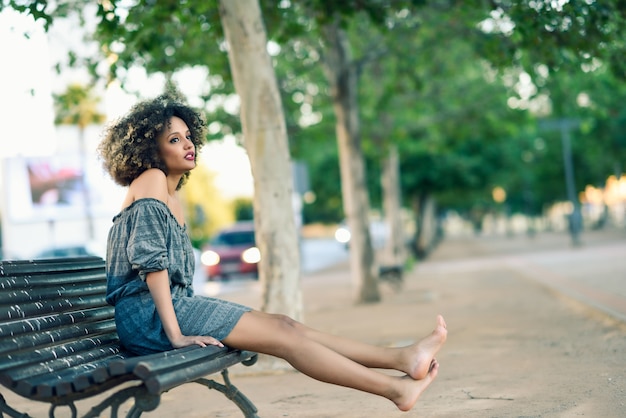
(593, 273)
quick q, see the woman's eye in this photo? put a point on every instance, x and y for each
(174, 140)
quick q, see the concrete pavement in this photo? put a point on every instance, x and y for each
(593, 273)
(536, 329)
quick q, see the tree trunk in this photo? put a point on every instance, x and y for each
(343, 79)
(395, 251)
(429, 225)
(425, 223)
(265, 139)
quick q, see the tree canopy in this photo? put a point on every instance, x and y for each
(443, 81)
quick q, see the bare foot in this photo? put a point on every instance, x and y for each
(414, 388)
(421, 354)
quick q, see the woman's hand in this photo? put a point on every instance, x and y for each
(201, 340)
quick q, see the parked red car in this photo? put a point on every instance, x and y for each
(232, 252)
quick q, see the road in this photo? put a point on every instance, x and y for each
(316, 254)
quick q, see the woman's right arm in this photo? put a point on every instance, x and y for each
(152, 183)
(158, 284)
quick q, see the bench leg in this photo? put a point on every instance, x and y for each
(143, 402)
(70, 405)
(231, 392)
(6, 409)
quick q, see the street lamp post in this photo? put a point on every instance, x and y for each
(565, 125)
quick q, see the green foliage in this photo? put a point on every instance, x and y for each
(243, 209)
(435, 80)
(77, 106)
(328, 204)
(161, 37)
(557, 34)
(447, 114)
(42, 10)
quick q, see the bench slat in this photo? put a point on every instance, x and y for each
(41, 324)
(24, 358)
(25, 381)
(50, 279)
(55, 337)
(77, 378)
(164, 381)
(94, 348)
(71, 289)
(127, 365)
(50, 307)
(149, 366)
(101, 373)
(71, 380)
(46, 266)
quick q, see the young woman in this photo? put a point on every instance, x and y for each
(150, 266)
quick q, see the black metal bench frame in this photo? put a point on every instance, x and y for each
(58, 345)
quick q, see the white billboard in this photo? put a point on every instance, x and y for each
(55, 201)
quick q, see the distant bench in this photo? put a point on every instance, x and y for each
(392, 274)
(58, 344)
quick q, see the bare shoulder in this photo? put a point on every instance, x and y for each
(152, 183)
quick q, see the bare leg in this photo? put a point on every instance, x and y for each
(283, 337)
(413, 360)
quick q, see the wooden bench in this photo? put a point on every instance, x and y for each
(58, 344)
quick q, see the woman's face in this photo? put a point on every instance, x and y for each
(176, 148)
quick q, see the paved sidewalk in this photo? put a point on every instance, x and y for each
(521, 342)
